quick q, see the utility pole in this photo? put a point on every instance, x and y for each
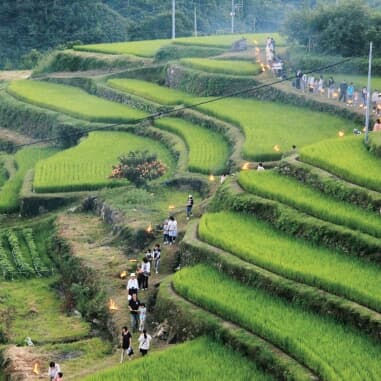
(232, 15)
(368, 94)
(173, 19)
(195, 20)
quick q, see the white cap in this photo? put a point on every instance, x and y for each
(132, 274)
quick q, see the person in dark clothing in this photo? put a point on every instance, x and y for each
(189, 206)
(133, 306)
(343, 91)
(126, 344)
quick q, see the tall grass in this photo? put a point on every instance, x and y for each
(222, 66)
(72, 101)
(347, 158)
(25, 159)
(200, 359)
(333, 351)
(208, 150)
(271, 185)
(258, 243)
(89, 165)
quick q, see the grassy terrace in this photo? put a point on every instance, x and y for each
(188, 361)
(263, 123)
(333, 351)
(222, 66)
(208, 150)
(258, 243)
(347, 158)
(88, 165)
(25, 159)
(72, 101)
(271, 185)
(359, 81)
(47, 323)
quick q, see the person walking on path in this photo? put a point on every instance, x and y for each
(350, 92)
(133, 306)
(53, 371)
(156, 258)
(165, 232)
(260, 167)
(146, 270)
(189, 206)
(142, 316)
(343, 91)
(331, 87)
(144, 342)
(132, 285)
(126, 344)
(172, 230)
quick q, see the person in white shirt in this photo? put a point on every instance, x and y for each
(146, 270)
(132, 285)
(53, 371)
(144, 342)
(260, 167)
(172, 230)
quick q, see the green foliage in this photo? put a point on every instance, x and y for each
(31, 25)
(222, 66)
(138, 167)
(375, 144)
(347, 158)
(303, 197)
(88, 165)
(72, 101)
(25, 159)
(302, 334)
(258, 243)
(176, 51)
(35, 311)
(186, 363)
(344, 29)
(208, 150)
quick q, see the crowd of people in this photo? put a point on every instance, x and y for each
(343, 91)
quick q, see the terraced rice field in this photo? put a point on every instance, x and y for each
(258, 243)
(333, 351)
(272, 185)
(270, 129)
(222, 66)
(73, 101)
(146, 48)
(25, 159)
(88, 165)
(189, 361)
(152, 91)
(208, 150)
(347, 158)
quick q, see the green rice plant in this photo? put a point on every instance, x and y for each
(152, 91)
(25, 159)
(73, 101)
(334, 351)
(89, 165)
(347, 158)
(222, 66)
(6, 268)
(226, 40)
(270, 128)
(21, 264)
(258, 243)
(375, 143)
(3, 173)
(200, 359)
(47, 324)
(208, 150)
(38, 265)
(285, 189)
(147, 48)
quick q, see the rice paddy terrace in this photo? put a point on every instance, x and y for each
(279, 270)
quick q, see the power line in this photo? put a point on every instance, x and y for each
(190, 107)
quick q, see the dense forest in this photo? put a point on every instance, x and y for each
(29, 27)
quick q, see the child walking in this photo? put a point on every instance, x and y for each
(142, 316)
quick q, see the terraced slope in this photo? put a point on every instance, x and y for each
(270, 184)
(235, 67)
(208, 150)
(258, 243)
(72, 101)
(270, 129)
(347, 158)
(188, 361)
(89, 165)
(333, 351)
